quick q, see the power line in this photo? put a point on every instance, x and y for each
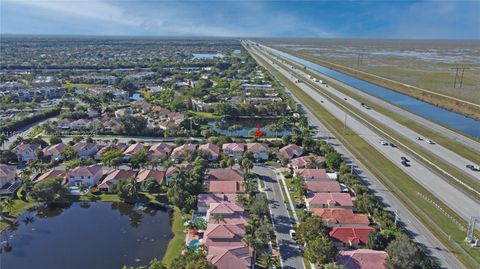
(459, 72)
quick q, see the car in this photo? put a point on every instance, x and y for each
(473, 167)
(393, 145)
(383, 143)
(344, 98)
(291, 188)
(293, 234)
(405, 163)
(419, 138)
(300, 205)
(429, 141)
(404, 159)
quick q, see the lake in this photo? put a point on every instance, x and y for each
(207, 56)
(248, 126)
(88, 235)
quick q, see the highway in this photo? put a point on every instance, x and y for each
(417, 230)
(452, 197)
(442, 153)
(290, 253)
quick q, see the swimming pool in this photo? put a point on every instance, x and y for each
(74, 190)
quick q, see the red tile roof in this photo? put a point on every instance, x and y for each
(205, 199)
(156, 174)
(257, 147)
(313, 174)
(56, 149)
(220, 186)
(362, 259)
(90, 170)
(51, 174)
(225, 174)
(340, 216)
(290, 151)
(301, 162)
(134, 148)
(323, 186)
(238, 147)
(213, 149)
(330, 199)
(351, 235)
(230, 257)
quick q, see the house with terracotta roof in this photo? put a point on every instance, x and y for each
(322, 186)
(234, 150)
(225, 174)
(119, 146)
(115, 176)
(160, 111)
(85, 175)
(8, 174)
(350, 236)
(231, 213)
(259, 151)
(226, 187)
(212, 150)
(234, 257)
(220, 234)
(50, 174)
(173, 170)
(141, 106)
(337, 217)
(329, 200)
(302, 162)
(183, 149)
(362, 259)
(54, 152)
(205, 199)
(133, 149)
(290, 151)
(85, 150)
(312, 174)
(155, 174)
(160, 150)
(26, 152)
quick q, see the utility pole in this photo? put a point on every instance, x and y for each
(396, 216)
(470, 231)
(459, 72)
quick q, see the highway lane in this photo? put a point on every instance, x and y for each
(290, 253)
(417, 230)
(453, 198)
(450, 157)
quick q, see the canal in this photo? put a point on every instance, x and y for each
(431, 112)
(87, 235)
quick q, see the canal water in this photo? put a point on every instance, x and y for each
(87, 235)
(442, 116)
(249, 127)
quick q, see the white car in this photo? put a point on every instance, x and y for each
(384, 143)
(293, 234)
(429, 141)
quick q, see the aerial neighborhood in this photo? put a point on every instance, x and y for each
(205, 154)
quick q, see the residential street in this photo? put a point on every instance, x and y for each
(289, 251)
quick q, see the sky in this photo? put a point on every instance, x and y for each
(427, 19)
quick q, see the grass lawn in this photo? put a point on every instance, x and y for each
(19, 207)
(205, 115)
(176, 244)
(400, 184)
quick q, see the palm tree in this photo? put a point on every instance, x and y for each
(247, 165)
(3, 139)
(312, 162)
(7, 203)
(217, 218)
(267, 260)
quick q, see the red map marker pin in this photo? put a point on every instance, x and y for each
(259, 131)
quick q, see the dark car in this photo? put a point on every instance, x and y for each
(404, 159)
(469, 166)
(299, 206)
(405, 163)
(393, 145)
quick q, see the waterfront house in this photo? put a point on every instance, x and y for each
(85, 175)
(51, 174)
(230, 213)
(173, 170)
(259, 151)
(115, 176)
(155, 174)
(234, 257)
(234, 150)
(183, 149)
(205, 199)
(132, 149)
(160, 150)
(220, 234)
